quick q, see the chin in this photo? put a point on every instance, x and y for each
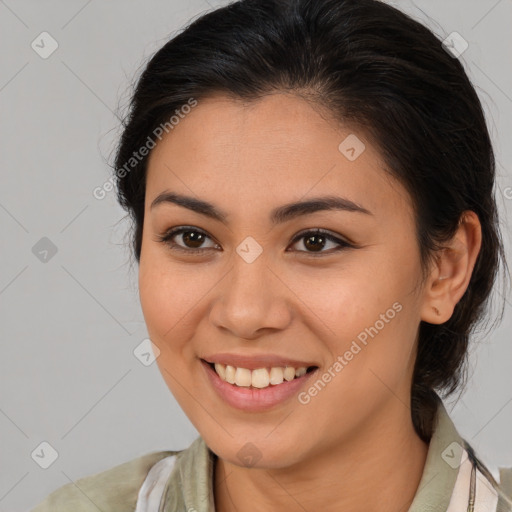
(255, 452)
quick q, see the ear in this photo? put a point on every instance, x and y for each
(451, 273)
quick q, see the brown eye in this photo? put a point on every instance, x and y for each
(192, 239)
(316, 240)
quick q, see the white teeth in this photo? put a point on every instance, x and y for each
(221, 370)
(243, 377)
(276, 376)
(299, 372)
(259, 378)
(230, 374)
(289, 373)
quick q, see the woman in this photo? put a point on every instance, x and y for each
(311, 185)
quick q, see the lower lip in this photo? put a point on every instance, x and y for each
(255, 399)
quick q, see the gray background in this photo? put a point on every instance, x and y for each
(69, 326)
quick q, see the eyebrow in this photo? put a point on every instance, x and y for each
(278, 215)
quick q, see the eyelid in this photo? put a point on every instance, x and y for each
(178, 230)
(342, 242)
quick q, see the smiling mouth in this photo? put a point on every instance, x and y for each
(261, 377)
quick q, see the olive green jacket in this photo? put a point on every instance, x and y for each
(453, 480)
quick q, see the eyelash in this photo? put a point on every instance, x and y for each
(167, 236)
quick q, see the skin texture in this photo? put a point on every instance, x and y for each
(357, 432)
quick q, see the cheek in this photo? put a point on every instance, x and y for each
(168, 299)
(172, 297)
(371, 365)
(161, 295)
(373, 324)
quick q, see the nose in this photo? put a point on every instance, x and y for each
(251, 300)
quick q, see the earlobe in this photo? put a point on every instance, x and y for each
(452, 271)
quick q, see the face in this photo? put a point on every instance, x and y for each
(259, 290)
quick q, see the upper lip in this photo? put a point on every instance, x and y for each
(254, 362)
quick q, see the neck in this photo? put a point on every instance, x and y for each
(379, 469)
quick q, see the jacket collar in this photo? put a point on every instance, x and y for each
(441, 466)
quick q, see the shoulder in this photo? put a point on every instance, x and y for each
(113, 490)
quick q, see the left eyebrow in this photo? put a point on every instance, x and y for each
(278, 215)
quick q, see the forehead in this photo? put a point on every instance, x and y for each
(276, 149)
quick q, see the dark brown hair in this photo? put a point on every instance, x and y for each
(370, 66)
